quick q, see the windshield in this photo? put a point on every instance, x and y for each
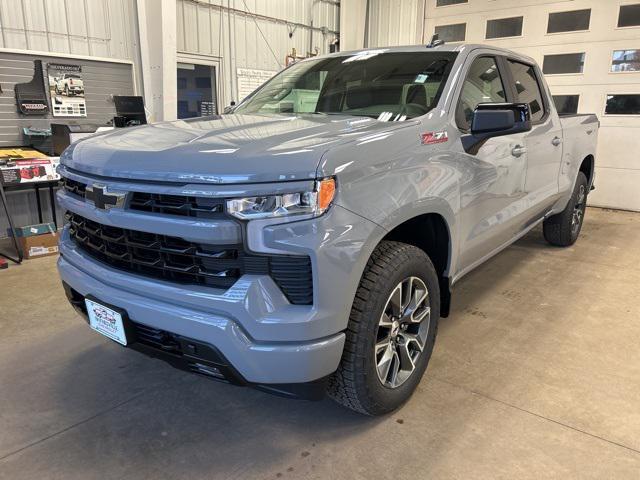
(388, 86)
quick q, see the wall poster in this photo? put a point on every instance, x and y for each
(66, 89)
(249, 79)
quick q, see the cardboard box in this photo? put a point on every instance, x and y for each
(30, 230)
(28, 170)
(39, 245)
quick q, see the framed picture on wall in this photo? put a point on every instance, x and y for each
(66, 89)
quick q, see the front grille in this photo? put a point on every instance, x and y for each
(76, 188)
(177, 260)
(156, 338)
(180, 205)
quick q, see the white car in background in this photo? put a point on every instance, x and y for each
(69, 84)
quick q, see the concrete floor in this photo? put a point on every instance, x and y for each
(535, 374)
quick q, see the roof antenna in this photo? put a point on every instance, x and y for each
(435, 41)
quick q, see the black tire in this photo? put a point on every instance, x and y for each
(563, 229)
(357, 383)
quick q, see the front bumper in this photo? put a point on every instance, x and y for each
(266, 339)
(198, 357)
(255, 362)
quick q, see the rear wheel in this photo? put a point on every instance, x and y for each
(391, 331)
(564, 228)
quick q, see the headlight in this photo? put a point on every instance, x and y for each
(300, 203)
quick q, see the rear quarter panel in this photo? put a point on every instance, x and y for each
(580, 138)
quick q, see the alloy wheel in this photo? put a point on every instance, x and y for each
(578, 210)
(402, 332)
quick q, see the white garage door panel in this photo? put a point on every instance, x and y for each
(617, 147)
(616, 188)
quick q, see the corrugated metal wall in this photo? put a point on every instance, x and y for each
(395, 22)
(101, 80)
(390, 22)
(101, 28)
(254, 33)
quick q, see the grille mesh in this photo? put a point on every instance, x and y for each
(183, 206)
(71, 186)
(177, 260)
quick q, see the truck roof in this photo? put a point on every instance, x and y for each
(446, 47)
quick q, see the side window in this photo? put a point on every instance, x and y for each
(482, 85)
(528, 88)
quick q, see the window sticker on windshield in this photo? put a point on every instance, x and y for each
(421, 78)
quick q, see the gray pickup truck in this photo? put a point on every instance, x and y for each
(308, 241)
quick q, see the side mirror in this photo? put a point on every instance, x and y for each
(230, 108)
(495, 120)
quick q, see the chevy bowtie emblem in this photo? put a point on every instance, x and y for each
(102, 199)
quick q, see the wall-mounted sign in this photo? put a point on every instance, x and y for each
(251, 78)
(66, 89)
(31, 98)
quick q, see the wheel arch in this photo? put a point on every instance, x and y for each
(432, 233)
(587, 167)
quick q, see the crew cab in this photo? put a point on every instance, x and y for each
(308, 242)
(69, 84)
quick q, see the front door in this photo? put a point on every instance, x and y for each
(492, 185)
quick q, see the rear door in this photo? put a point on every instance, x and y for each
(543, 143)
(492, 180)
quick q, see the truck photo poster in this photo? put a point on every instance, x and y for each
(66, 89)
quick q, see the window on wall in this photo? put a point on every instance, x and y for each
(452, 33)
(625, 104)
(528, 88)
(442, 3)
(482, 85)
(625, 61)
(196, 90)
(563, 63)
(629, 15)
(504, 27)
(569, 21)
(566, 104)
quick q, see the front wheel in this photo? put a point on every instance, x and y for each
(564, 228)
(391, 332)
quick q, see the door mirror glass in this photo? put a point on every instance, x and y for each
(494, 120)
(490, 121)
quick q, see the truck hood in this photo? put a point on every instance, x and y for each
(227, 149)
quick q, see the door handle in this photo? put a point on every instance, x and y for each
(556, 141)
(518, 150)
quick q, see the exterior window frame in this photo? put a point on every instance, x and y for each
(619, 115)
(569, 31)
(567, 95)
(620, 11)
(584, 63)
(508, 92)
(463, 2)
(486, 28)
(611, 61)
(541, 86)
(453, 25)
